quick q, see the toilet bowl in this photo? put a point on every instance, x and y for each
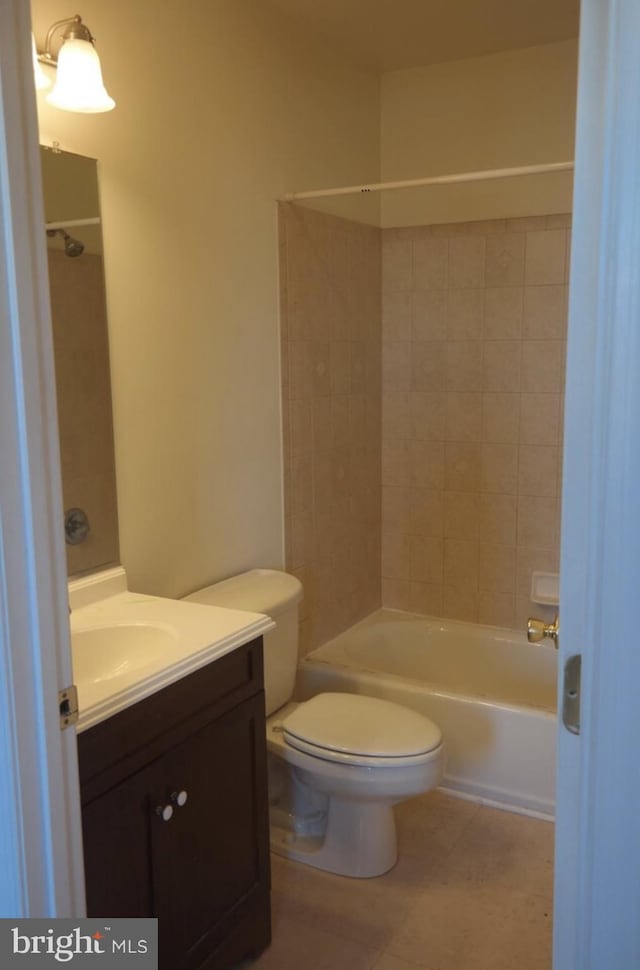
(338, 762)
(351, 759)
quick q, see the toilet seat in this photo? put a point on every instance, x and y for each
(358, 730)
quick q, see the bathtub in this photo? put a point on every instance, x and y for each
(492, 694)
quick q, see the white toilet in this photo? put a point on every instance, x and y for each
(338, 762)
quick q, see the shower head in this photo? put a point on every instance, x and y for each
(72, 247)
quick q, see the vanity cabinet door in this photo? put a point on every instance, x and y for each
(210, 866)
(204, 871)
(115, 830)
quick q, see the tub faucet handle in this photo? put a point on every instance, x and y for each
(538, 630)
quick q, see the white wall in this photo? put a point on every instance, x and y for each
(221, 106)
(503, 110)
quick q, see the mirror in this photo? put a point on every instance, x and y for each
(81, 348)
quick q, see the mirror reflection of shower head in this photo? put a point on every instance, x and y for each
(72, 247)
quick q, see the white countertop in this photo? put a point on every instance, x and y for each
(192, 636)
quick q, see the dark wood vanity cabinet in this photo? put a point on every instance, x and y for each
(202, 867)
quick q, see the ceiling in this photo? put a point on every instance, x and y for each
(388, 35)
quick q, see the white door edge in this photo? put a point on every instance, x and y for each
(40, 826)
(597, 886)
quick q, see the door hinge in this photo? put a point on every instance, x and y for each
(571, 694)
(68, 705)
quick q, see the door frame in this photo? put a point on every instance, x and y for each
(597, 874)
(40, 825)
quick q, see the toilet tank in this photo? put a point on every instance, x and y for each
(277, 594)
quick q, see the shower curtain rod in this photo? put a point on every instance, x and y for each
(72, 223)
(495, 173)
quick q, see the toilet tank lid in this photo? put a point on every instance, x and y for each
(267, 591)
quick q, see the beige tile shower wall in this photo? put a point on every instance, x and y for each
(331, 363)
(474, 330)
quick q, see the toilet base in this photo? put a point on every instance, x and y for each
(359, 840)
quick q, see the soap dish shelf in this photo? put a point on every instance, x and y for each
(545, 589)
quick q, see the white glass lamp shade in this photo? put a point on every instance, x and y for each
(40, 78)
(79, 85)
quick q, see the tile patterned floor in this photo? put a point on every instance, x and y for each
(472, 891)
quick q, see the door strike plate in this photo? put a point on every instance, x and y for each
(571, 694)
(68, 705)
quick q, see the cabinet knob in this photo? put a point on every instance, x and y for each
(179, 798)
(165, 812)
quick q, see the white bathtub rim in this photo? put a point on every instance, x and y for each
(417, 687)
(499, 632)
(332, 654)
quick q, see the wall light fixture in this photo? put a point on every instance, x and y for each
(79, 85)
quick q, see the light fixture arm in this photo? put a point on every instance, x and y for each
(76, 30)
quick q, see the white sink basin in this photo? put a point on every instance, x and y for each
(107, 652)
(126, 646)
